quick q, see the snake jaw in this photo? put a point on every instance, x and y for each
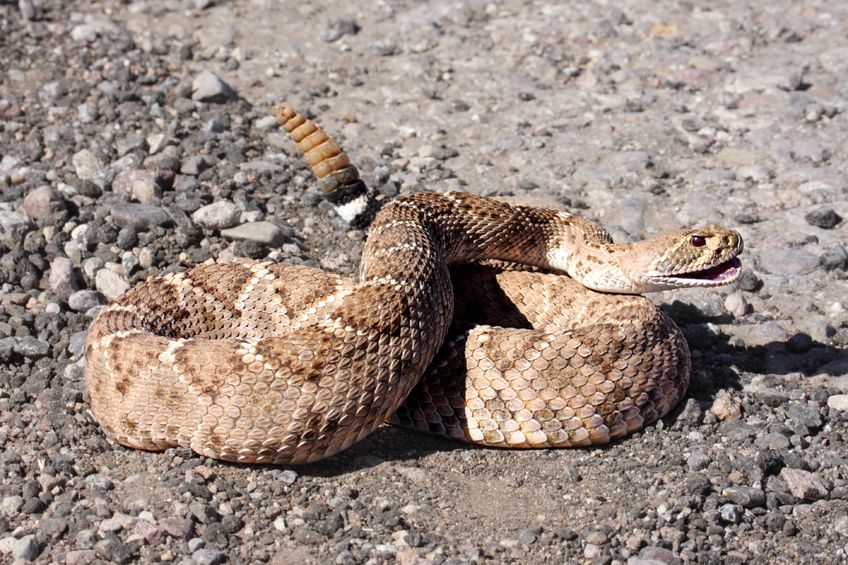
(720, 274)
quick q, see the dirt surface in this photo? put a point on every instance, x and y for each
(645, 116)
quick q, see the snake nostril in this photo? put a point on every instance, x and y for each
(698, 241)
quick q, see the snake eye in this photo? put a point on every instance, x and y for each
(698, 241)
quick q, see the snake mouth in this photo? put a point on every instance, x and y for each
(717, 275)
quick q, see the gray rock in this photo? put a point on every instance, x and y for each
(773, 441)
(86, 538)
(805, 150)
(204, 513)
(730, 514)
(110, 283)
(62, 280)
(840, 525)
(737, 305)
(95, 25)
(825, 218)
(597, 537)
(26, 548)
(745, 496)
(138, 184)
(91, 265)
(11, 505)
(338, 28)
(804, 414)
(89, 167)
(265, 123)
(748, 281)
(208, 556)
(698, 461)
(194, 165)
(168, 159)
(803, 484)
(31, 347)
(43, 202)
(100, 482)
(116, 523)
(756, 78)
(771, 396)
(653, 555)
(208, 87)
(87, 113)
(287, 476)
(147, 530)
(788, 261)
(76, 345)
(527, 537)
(84, 300)
(139, 217)
(7, 348)
(27, 9)
(384, 47)
(835, 258)
(114, 550)
(266, 233)
(10, 218)
(838, 402)
(179, 528)
(80, 557)
(156, 142)
(130, 143)
(218, 215)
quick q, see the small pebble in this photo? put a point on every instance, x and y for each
(110, 283)
(737, 305)
(209, 87)
(838, 402)
(218, 215)
(42, 202)
(825, 218)
(804, 484)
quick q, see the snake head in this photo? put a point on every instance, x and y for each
(703, 257)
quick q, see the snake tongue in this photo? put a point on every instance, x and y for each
(726, 271)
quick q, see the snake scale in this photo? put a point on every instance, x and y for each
(462, 322)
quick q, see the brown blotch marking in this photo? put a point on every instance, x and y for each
(358, 310)
(168, 320)
(593, 259)
(131, 425)
(122, 384)
(223, 289)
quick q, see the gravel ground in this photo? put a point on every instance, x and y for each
(135, 140)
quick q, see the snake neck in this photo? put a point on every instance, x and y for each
(597, 266)
(587, 253)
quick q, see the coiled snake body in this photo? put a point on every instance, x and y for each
(273, 363)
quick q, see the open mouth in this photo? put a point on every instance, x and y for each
(722, 273)
(717, 275)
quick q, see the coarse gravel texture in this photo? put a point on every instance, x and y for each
(135, 139)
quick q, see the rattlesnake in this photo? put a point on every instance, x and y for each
(274, 363)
